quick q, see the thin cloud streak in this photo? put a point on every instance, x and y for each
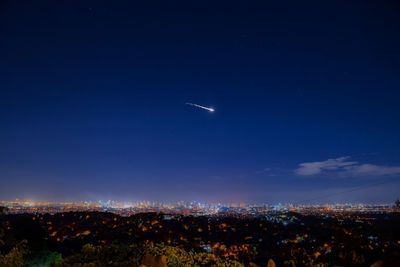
(343, 167)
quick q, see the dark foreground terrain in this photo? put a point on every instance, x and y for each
(152, 239)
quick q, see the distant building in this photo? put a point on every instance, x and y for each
(397, 204)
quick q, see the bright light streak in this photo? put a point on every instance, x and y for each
(202, 107)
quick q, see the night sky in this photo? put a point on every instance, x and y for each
(306, 98)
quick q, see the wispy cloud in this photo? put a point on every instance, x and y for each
(343, 166)
(262, 171)
(317, 167)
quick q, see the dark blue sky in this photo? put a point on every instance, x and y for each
(93, 93)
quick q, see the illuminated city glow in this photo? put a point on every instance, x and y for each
(186, 208)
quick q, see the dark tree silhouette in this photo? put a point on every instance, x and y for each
(3, 210)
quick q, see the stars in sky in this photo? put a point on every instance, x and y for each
(279, 97)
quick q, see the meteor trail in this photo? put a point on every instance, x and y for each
(202, 107)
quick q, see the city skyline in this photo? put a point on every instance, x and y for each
(249, 102)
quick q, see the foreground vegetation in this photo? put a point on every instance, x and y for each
(91, 239)
(116, 255)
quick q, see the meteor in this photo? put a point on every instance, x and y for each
(202, 107)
